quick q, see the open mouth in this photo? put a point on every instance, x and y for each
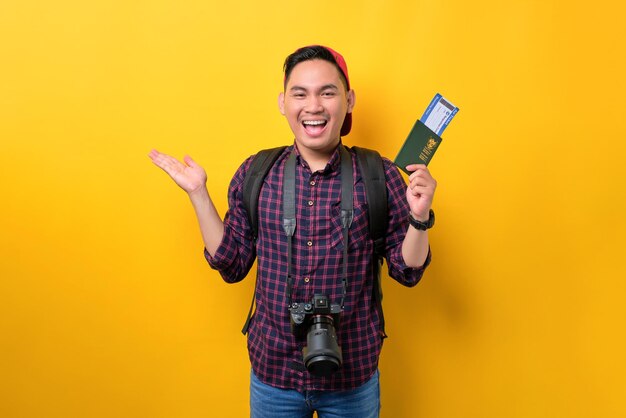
(314, 127)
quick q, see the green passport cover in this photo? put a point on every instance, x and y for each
(419, 147)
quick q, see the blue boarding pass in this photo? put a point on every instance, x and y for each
(438, 114)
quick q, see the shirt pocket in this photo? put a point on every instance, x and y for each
(358, 234)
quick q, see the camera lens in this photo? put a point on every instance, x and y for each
(322, 355)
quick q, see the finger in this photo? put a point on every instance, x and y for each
(421, 191)
(160, 160)
(153, 154)
(422, 180)
(415, 167)
(421, 176)
(419, 169)
(168, 164)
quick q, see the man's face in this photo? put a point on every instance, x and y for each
(315, 103)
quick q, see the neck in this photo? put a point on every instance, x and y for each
(316, 164)
(317, 158)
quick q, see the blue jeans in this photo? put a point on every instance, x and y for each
(270, 402)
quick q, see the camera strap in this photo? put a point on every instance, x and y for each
(347, 210)
(289, 213)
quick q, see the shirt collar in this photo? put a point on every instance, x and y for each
(332, 165)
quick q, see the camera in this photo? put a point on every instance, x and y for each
(316, 320)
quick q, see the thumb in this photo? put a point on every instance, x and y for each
(189, 161)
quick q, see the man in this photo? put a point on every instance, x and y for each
(317, 102)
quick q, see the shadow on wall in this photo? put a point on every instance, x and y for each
(428, 326)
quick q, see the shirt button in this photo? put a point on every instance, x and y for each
(312, 183)
(310, 203)
(307, 279)
(309, 243)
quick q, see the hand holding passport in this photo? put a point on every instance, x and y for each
(424, 138)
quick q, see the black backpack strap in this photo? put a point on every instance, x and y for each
(373, 174)
(252, 183)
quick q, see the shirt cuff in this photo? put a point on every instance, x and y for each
(224, 255)
(412, 275)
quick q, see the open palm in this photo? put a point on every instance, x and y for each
(188, 175)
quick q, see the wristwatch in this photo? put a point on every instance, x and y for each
(423, 226)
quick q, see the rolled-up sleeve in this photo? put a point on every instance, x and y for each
(396, 229)
(236, 253)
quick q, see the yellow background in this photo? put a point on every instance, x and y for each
(107, 307)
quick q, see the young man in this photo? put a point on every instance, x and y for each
(317, 102)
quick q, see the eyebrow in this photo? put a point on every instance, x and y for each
(324, 87)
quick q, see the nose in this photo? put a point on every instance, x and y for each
(314, 104)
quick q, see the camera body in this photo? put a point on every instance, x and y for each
(316, 321)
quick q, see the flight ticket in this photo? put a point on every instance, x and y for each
(438, 114)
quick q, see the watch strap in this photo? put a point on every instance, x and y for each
(423, 226)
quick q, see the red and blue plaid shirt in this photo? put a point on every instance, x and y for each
(275, 353)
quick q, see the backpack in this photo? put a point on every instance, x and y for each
(373, 173)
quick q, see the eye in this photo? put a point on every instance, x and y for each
(328, 93)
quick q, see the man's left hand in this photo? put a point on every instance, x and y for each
(420, 191)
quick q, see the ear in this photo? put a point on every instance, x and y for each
(351, 100)
(281, 103)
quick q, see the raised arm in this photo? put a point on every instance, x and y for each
(191, 177)
(420, 192)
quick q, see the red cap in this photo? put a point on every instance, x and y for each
(341, 63)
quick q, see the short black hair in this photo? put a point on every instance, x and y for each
(307, 53)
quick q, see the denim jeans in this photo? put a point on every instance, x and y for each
(270, 402)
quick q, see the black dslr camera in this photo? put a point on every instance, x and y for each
(317, 320)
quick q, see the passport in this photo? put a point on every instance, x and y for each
(419, 147)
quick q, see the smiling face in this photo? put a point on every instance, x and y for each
(315, 103)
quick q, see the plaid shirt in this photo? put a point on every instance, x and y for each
(275, 354)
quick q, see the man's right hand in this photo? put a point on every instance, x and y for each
(188, 175)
